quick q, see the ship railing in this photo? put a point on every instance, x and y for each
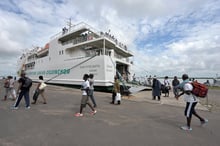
(117, 44)
(74, 28)
(115, 40)
(99, 34)
(126, 50)
(81, 39)
(82, 25)
(90, 37)
(124, 60)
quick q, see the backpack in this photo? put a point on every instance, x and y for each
(199, 89)
(28, 83)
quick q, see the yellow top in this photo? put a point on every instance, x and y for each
(116, 87)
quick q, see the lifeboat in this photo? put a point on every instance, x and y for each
(43, 51)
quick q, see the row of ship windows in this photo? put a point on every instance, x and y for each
(31, 65)
(79, 39)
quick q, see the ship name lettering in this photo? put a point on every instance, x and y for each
(59, 71)
(90, 66)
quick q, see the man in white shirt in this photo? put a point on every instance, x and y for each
(167, 86)
(191, 101)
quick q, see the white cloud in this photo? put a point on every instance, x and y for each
(167, 37)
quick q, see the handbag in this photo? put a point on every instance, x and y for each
(42, 86)
(118, 97)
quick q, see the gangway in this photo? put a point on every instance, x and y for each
(138, 88)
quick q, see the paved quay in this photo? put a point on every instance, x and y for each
(145, 96)
(137, 121)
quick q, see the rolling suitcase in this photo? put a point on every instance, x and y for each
(36, 94)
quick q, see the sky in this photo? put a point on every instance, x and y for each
(167, 37)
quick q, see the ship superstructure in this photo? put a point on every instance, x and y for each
(75, 51)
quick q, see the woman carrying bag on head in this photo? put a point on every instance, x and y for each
(40, 90)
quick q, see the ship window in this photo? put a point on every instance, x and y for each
(61, 52)
(98, 52)
(108, 52)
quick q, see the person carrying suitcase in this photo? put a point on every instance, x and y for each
(40, 91)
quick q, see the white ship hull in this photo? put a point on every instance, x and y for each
(72, 71)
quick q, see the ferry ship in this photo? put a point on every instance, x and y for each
(77, 50)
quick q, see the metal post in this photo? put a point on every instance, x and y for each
(104, 47)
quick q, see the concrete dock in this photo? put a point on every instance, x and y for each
(137, 121)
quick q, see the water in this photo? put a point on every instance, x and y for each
(143, 80)
(211, 81)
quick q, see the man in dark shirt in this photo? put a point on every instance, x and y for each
(175, 83)
(23, 90)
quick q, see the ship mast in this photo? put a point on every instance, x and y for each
(69, 24)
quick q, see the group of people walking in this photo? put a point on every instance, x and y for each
(190, 99)
(165, 87)
(87, 89)
(24, 85)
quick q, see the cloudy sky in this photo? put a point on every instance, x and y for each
(167, 37)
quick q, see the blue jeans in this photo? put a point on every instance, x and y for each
(24, 93)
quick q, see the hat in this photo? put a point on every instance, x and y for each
(154, 77)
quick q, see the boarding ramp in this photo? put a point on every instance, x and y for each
(129, 88)
(216, 82)
(138, 88)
